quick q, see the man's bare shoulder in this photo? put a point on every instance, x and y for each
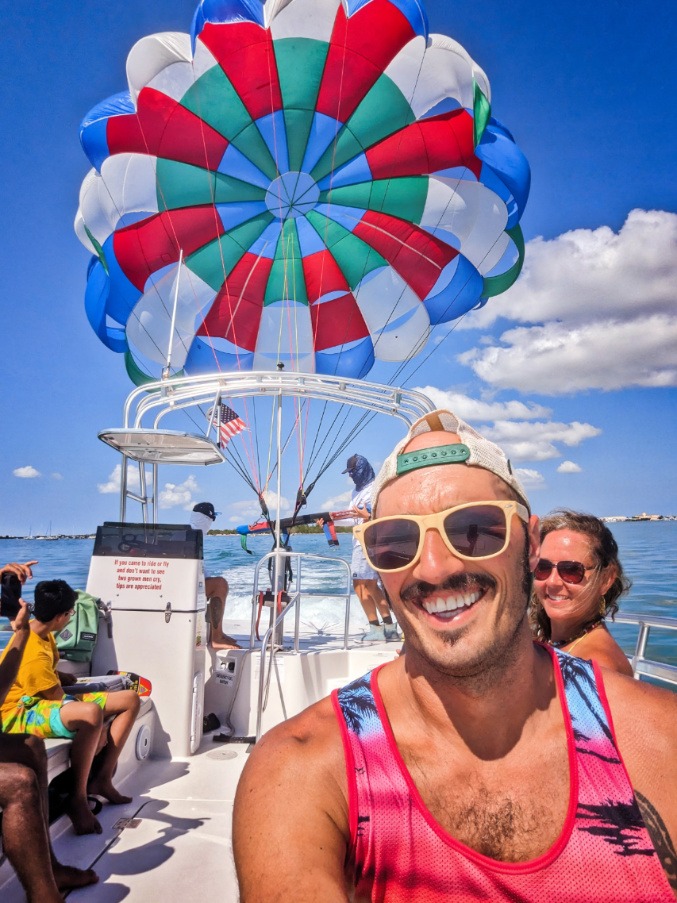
(294, 785)
(631, 696)
(313, 730)
(645, 722)
(307, 748)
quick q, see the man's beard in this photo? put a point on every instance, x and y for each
(487, 668)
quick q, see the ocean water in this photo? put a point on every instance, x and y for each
(648, 552)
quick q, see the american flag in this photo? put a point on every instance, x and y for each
(230, 424)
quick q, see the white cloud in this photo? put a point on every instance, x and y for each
(271, 498)
(530, 479)
(595, 272)
(178, 494)
(171, 495)
(56, 476)
(601, 309)
(247, 511)
(26, 473)
(337, 502)
(521, 429)
(250, 511)
(524, 441)
(244, 506)
(113, 483)
(569, 467)
(556, 359)
(474, 410)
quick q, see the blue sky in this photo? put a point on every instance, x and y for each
(573, 370)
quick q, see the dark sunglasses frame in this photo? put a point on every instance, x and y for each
(571, 572)
(435, 521)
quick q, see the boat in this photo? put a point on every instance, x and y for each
(207, 708)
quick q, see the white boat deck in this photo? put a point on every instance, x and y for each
(176, 844)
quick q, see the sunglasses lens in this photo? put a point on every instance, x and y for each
(543, 569)
(391, 544)
(569, 571)
(477, 532)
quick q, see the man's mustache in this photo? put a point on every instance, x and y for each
(456, 583)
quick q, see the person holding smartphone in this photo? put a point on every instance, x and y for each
(23, 783)
(37, 704)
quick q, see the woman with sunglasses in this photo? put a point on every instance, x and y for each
(577, 582)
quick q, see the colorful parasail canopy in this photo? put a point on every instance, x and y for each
(315, 183)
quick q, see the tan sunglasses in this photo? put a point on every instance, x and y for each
(473, 531)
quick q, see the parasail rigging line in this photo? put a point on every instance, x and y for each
(393, 262)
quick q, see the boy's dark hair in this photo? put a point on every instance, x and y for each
(52, 598)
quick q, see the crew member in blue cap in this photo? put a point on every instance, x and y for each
(365, 578)
(216, 588)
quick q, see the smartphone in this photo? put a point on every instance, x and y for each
(10, 593)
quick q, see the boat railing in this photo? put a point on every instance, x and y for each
(144, 441)
(642, 665)
(157, 399)
(272, 641)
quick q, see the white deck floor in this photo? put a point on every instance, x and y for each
(177, 845)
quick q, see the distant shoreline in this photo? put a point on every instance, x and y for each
(52, 538)
(635, 518)
(612, 519)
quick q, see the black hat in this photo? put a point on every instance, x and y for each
(350, 464)
(206, 508)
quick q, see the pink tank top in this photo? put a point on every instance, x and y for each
(402, 855)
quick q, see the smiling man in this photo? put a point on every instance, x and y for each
(478, 766)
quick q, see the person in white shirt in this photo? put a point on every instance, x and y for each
(365, 579)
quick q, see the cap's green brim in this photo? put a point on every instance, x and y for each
(457, 453)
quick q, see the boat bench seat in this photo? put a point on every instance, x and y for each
(59, 750)
(58, 757)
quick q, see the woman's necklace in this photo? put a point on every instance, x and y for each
(591, 625)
